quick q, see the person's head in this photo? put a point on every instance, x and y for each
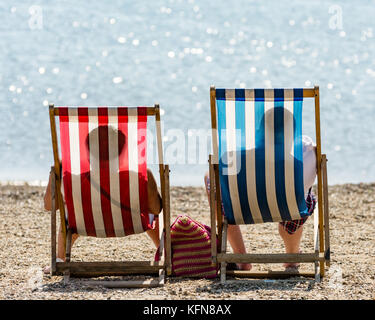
(107, 136)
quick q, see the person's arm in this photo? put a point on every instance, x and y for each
(154, 199)
(48, 196)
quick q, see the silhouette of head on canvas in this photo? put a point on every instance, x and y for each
(274, 122)
(108, 139)
(273, 125)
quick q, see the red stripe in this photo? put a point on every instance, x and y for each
(84, 150)
(142, 166)
(190, 236)
(105, 194)
(182, 221)
(185, 227)
(66, 166)
(192, 230)
(189, 241)
(124, 173)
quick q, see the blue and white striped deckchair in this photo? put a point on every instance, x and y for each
(257, 144)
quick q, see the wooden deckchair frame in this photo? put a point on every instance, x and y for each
(95, 269)
(320, 257)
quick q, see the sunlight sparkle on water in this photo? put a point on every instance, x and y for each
(117, 80)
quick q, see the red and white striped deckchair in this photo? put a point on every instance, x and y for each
(101, 186)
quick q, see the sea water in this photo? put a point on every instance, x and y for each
(170, 52)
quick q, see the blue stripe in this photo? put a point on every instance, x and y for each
(279, 154)
(298, 94)
(223, 157)
(298, 152)
(278, 94)
(259, 94)
(220, 94)
(260, 170)
(241, 151)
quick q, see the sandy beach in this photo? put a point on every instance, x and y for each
(25, 250)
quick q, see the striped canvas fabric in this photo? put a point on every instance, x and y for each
(104, 170)
(191, 249)
(260, 154)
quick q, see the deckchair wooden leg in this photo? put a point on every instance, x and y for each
(53, 221)
(167, 222)
(326, 210)
(223, 271)
(319, 173)
(57, 171)
(212, 210)
(67, 255)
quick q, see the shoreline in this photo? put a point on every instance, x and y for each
(43, 183)
(25, 250)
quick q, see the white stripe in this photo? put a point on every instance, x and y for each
(159, 141)
(231, 156)
(75, 165)
(133, 170)
(114, 176)
(95, 174)
(250, 161)
(269, 115)
(289, 155)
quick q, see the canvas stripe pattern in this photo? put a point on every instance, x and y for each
(104, 169)
(260, 154)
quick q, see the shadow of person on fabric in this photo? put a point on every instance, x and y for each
(109, 179)
(272, 162)
(104, 156)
